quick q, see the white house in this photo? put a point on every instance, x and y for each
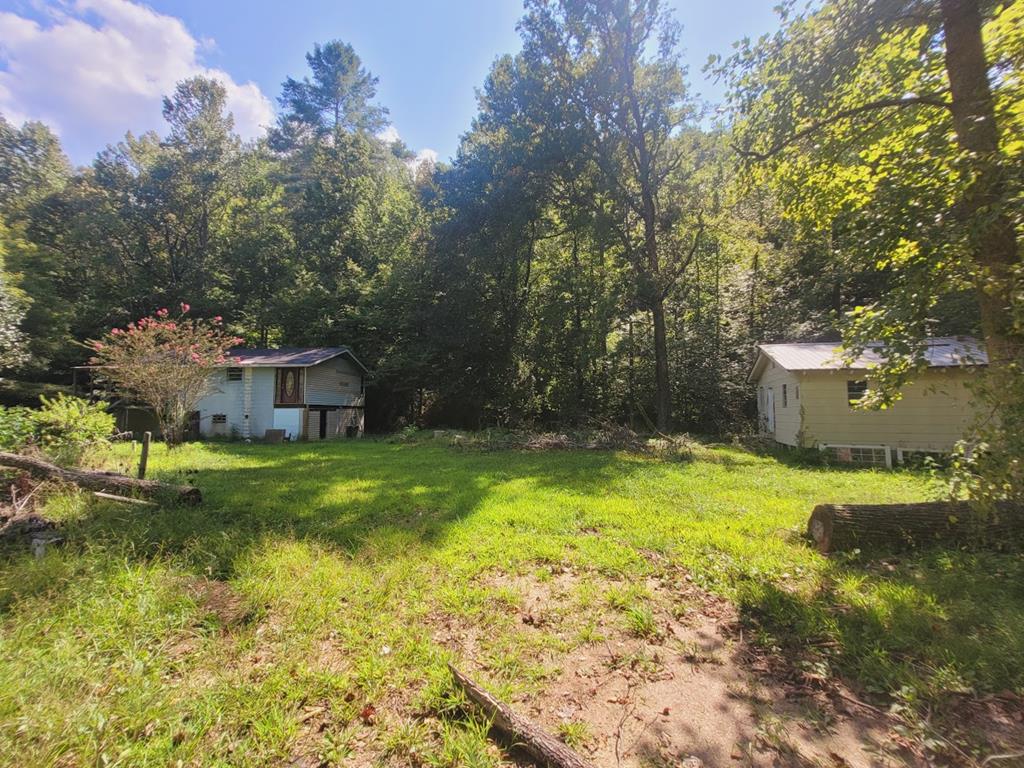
(312, 393)
(806, 396)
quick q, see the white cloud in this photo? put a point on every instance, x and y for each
(426, 156)
(97, 68)
(389, 134)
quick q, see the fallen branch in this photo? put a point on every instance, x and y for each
(100, 481)
(540, 744)
(123, 499)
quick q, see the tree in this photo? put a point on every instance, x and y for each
(166, 364)
(617, 61)
(32, 165)
(338, 98)
(857, 102)
(892, 128)
(12, 340)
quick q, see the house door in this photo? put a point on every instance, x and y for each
(769, 410)
(193, 426)
(323, 425)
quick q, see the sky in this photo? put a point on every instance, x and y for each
(94, 69)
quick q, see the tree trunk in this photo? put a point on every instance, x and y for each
(100, 481)
(836, 527)
(994, 240)
(663, 418)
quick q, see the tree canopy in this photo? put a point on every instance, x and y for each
(598, 249)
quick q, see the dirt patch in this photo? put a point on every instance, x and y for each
(655, 676)
(218, 599)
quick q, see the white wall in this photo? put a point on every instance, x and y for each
(787, 417)
(227, 398)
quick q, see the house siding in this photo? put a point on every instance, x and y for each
(334, 382)
(228, 397)
(934, 413)
(787, 418)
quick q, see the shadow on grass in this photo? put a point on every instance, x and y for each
(930, 622)
(371, 499)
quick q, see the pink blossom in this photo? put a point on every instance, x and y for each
(116, 331)
(237, 340)
(171, 326)
(218, 319)
(185, 307)
(97, 345)
(162, 312)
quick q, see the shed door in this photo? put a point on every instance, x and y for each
(769, 409)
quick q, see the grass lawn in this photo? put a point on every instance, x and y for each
(308, 607)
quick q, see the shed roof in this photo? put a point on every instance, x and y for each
(289, 357)
(939, 352)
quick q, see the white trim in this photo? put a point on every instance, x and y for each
(886, 448)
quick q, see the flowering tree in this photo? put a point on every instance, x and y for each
(165, 363)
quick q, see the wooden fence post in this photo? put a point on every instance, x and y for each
(144, 459)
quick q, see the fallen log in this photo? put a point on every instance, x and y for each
(100, 481)
(835, 527)
(533, 739)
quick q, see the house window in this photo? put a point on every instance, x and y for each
(785, 396)
(234, 374)
(796, 393)
(855, 391)
(220, 418)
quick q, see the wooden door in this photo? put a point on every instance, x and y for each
(289, 386)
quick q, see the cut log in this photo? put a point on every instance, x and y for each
(835, 527)
(533, 739)
(100, 481)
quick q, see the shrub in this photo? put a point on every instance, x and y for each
(17, 428)
(66, 427)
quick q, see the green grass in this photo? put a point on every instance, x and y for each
(345, 561)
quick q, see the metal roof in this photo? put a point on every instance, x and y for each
(940, 352)
(286, 357)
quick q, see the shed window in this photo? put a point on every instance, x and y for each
(234, 374)
(855, 391)
(220, 418)
(785, 396)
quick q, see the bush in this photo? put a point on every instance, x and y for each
(64, 427)
(68, 426)
(17, 428)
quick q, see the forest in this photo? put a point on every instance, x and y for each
(603, 247)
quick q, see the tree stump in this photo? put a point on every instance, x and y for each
(835, 527)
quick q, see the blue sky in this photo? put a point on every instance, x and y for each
(96, 68)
